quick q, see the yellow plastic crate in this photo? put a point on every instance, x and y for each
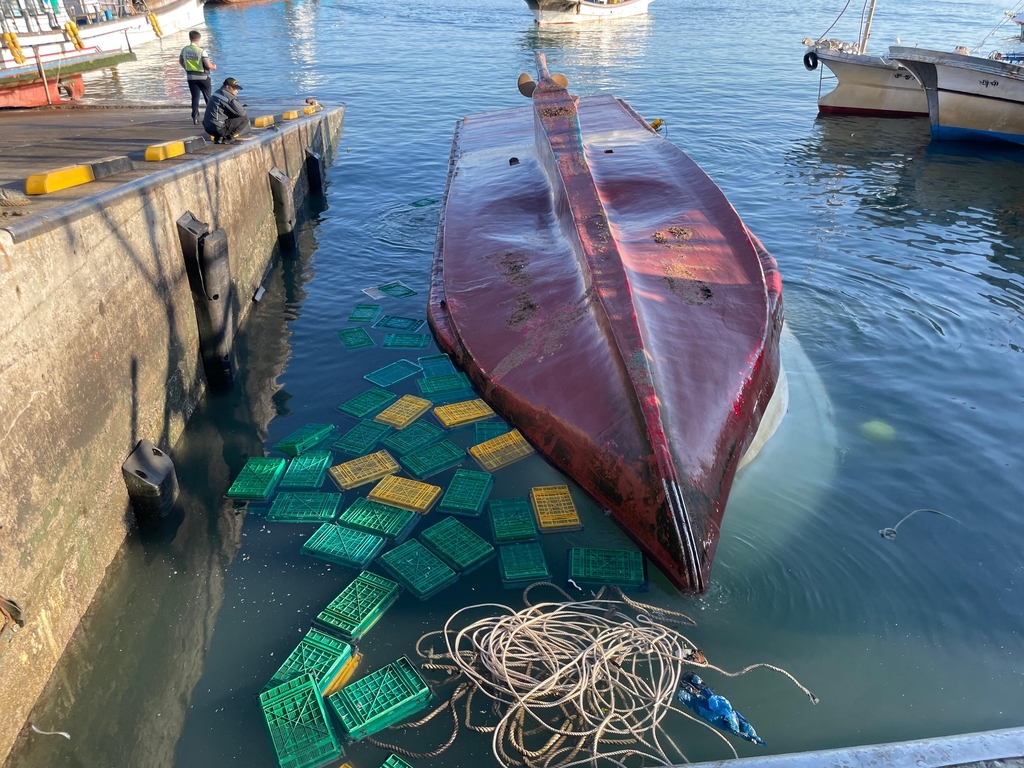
(406, 494)
(403, 412)
(363, 470)
(501, 451)
(553, 508)
(461, 414)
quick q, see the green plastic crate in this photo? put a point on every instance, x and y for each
(487, 430)
(394, 322)
(257, 480)
(304, 507)
(435, 365)
(302, 440)
(619, 567)
(362, 438)
(522, 564)
(381, 699)
(364, 313)
(368, 403)
(393, 373)
(418, 569)
(456, 545)
(380, 519)
(355, 338)
(297, 722)
(417, 435)
(394, 761)
(435, 458)
(319, 655)
(467, 493)
(448, 384)
(358, 607)
(512, 520)
(396, 290)
(344, 546)
(307, 470)
(407, 340)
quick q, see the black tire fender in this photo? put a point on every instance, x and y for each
(810, 61)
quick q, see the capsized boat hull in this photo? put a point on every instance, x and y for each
(606, 298)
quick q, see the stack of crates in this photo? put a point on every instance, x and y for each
(381, 699)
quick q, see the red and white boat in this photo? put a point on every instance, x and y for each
(607, 299)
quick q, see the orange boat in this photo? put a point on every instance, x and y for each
(607, 299)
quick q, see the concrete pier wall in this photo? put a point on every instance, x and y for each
(99, 348)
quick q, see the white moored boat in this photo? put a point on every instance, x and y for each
(575, 11)
(969, 98)
(865, 84)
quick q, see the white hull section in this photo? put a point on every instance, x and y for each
(587, 11)
(870, 85)
(109, 36)
(969, 97)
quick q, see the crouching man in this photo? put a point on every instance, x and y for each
(225, 116)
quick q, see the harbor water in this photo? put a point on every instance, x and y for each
(904, 291)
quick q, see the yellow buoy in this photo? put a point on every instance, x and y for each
(878, 430)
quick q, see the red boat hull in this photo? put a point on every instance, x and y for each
(34, 94)
(606, 298)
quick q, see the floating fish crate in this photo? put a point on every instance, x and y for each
(467, 493)
(394, 761)
(446, 384)
(403, 412)
(368, 403)
(488, 430)
(418, 569)
(417, 435)
(614, 567)
(456, 545)
(404, 493)
(310, 507)
(365, 469)
(394, 322)
(344, 546)
(436, 365)
(393, 523)
(303, 439)
(554, 508)
(307, 470)
(381, 699)
(358, 607)
(361, 438)
(512, 520)
(407, 340)
(522, 564)
(257, 480)
(463, 413)
(355, 338)
(364, 313)
(424, 462)
(299, 727)
(320, 656)
(393, 373)
(501, 451)
(396, 290)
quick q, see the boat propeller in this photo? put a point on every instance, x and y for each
(526, 84)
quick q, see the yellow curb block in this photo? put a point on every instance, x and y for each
(311, 110)
(61, 178)
(165, 151)
(291, 114)
(263, 122)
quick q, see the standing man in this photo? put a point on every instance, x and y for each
(225, 116)
(197, 65)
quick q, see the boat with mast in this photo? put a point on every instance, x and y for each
(865, 84)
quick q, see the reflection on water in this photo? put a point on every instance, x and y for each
(904, 284)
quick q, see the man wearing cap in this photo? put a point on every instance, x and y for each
(225, 116)
(197, 65)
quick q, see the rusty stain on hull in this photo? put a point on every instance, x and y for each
(607, 299)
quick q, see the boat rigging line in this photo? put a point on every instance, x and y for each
(890, 533)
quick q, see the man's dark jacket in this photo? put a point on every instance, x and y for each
(222, 107)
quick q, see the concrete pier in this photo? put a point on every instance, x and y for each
(99, 345)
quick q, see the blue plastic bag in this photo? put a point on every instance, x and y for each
(715, 709)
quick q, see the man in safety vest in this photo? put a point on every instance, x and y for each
(197, 65)
(225, 116)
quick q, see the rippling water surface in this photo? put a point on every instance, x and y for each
(903, 284)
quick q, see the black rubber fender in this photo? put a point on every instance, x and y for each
(810, 61)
